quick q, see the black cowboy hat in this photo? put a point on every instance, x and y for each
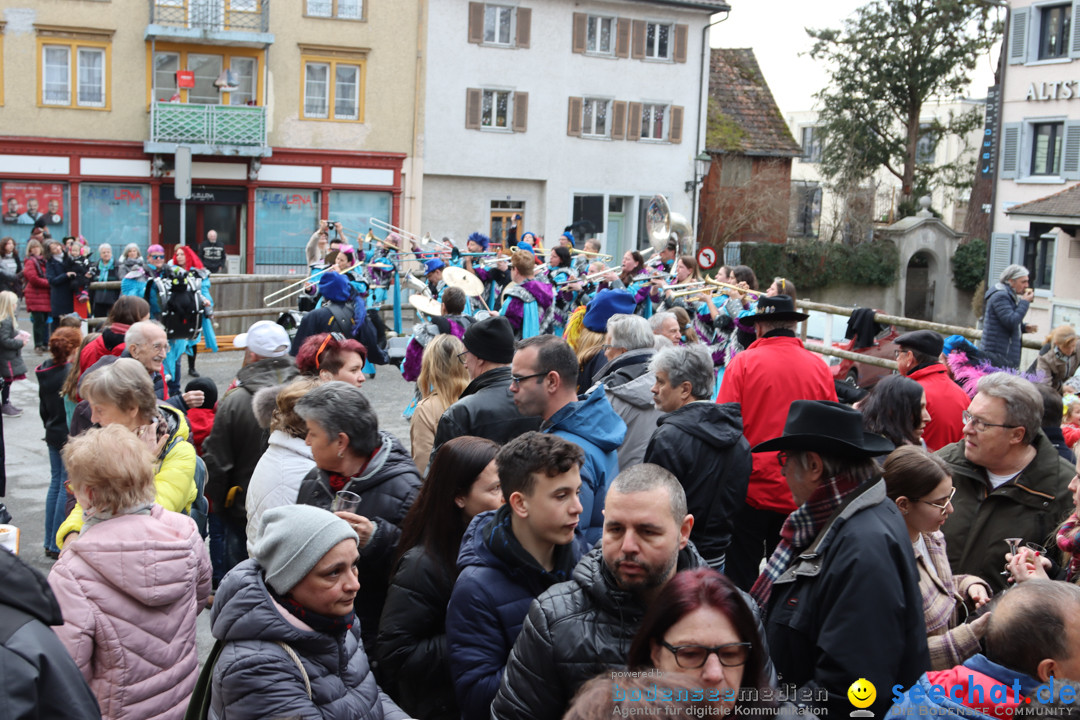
(778, 307)
(826, 427)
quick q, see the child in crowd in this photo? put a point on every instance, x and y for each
(201, 419)
(12, 339)
(1070, 428)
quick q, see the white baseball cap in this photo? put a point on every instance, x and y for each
(265, 338)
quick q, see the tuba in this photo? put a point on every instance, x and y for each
(662, 225)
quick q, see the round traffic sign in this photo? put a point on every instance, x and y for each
(706, 258)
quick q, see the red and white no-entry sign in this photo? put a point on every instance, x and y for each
(706, 258)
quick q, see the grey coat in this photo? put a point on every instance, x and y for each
(628, 384)
(11, 362)
(254, 676)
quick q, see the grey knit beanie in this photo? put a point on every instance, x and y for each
(292, 539)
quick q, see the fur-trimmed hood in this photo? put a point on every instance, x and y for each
(263, 404)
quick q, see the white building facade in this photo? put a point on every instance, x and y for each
(561, 111)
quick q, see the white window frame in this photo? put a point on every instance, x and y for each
(79, 51)
(325, 113)
(73, 76)
(45, 87)
(354, 114)
(511, 41)
(494, 94)
(331, 98)
(594, 23)
(334, 10)
(652, 50)
(665, 121)
(595, 102)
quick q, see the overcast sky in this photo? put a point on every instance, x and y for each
(775, 29)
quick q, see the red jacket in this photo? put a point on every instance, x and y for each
(765, 378)
(946, 402)
(37, 286)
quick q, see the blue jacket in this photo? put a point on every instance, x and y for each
(1003, 324)
(491, 597)
(970, 681)
(593, 425)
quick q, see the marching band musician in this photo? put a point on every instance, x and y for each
(635, 277)
(495, 278)
(685, 271)
(527, 303)
(559, 276)
(452, 321)
(582, 262)
(433, 274)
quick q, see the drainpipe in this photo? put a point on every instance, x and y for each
(705, 54)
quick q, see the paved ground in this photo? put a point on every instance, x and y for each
(27, 458)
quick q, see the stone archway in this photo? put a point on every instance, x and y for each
(921, 286)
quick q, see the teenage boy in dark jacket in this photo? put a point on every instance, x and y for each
(508, 557)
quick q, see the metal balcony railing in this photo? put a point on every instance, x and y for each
(207, 124)
(212, 15)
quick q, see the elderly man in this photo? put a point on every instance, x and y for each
(543, 382)
(627, 380)
(580, 628)
(665, 324)
(212, 253)
(1003, 320)
(1033, 639)
(919, 358)
(700, 443)
(764, 379)
(1009, 479)
(841, 590)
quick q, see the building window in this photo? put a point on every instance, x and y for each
(1039, 260)
(340, 9)
(1046, 148)
(600, 35)
(207, 68)
(498, 25)
(805, 208)
(1054, 31)
(333, 90)
(926, 145)
(594, 118)
(495, 110)
(652, 121)
(74, 75)
(811, 145)
(657, 41)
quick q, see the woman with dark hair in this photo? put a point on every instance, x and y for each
(332, 356)
(63, 280)
(635, 277)
(700, 625)
(897, 409)
(782, 286)
(920, 485)
(462, 483)
(10, 266)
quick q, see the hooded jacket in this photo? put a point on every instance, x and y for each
(254, 677)
(498, 581)
(966, 692)
(131, 588)
(702, 445)
(40, 678)
(485, 409)
(592, 425)
(628, 384)
(1030, 506)
(11, 361)
(387, 488)
(1003, 325)
(50, 378)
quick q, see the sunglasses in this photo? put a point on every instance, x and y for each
(156, 256)
(336, 337)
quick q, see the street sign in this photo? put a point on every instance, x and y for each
(182, 173)
(706, 258)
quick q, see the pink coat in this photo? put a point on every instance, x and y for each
(130, 589)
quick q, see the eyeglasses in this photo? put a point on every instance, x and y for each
(979, 424)
(336, 337)
(461, 357)
(898, 352)
(691, 657)
(943, 507)
(515, 380)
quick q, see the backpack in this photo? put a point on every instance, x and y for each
(181, 308)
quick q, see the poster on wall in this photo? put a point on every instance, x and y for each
(25, 202)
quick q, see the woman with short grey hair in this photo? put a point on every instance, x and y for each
(1006, 304)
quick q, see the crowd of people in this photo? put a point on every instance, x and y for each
(610, 476)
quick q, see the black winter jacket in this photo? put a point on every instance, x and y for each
(1003, 325)
(702, 444)
(50, 377)
(40, 678)
(387, 490)
(485, 409)
(574, 631)
(411, 648)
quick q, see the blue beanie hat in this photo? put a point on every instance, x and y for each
(480, 239)
(432, 265)
(569, 238)
(604, 305)
(334, 287)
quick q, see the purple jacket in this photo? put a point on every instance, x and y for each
(539, 290)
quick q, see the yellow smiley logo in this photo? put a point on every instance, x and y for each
(862, 693)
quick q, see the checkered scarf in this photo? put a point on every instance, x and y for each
(799, 531)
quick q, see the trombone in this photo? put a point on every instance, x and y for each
(599, 256)
(586, 278)
(727, 286)
(289, 293)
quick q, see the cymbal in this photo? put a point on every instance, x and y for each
(426, 305)
(461, 278)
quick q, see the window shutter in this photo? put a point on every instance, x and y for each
(618, 120)
(476, 22)
(580, 25)
(675, 135)
(573, 117)
(521, 111)
(473, 100)
(1001, 245)
(637, 46)
(1010, 150)
(681, 32)
(1070, 163)
(1018, 33)
(633, 121)
(524, 27)
(622, 38)
(1074, 43)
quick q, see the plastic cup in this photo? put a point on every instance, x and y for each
(345, 501)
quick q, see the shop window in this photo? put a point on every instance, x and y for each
(284, 220)
(26, 202)
(115, 213)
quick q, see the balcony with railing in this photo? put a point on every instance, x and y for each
(209, 129)
(213, 22)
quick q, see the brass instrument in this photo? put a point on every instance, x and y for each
(288, 294)
(493, 260)
(727, 286)
(599, 256)
(586, 278)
